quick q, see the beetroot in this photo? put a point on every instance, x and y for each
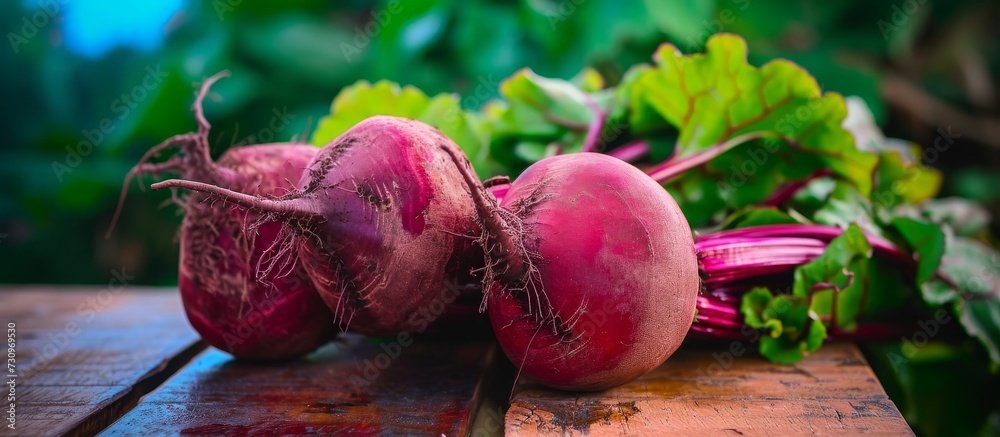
(591, 276)
(239, 294)
(381, 222)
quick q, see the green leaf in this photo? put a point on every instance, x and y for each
(927, 242)
(845, 206)
(902, 181)
(752, 172)
(815, 336)
(837, 276)
(798, 332)
(935, 292)
(829, 268)
(791, 331)
(973, 266)
(540, 117)
(630, 104)
(555, 100)
(972, 269)
(964, 217)
(699, 198)
(813, 196)
(781, 350)
(717, 98)
(837, 73)
(981, 319)
(860, 122)
(753, 304)
(900, 175)
(588, 80)
(849, 299)
(466, 129)
(901, 178)
(531, 151)
(362, 100)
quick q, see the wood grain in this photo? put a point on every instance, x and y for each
(430, 388)
(701, 391)
(85, 360)
(84, 356)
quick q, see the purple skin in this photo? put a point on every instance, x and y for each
(239, 300)
(592, 275)
(253, 308)
(383, 225)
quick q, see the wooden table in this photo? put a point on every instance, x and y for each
(112, 362)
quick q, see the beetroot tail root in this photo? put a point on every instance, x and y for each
(242, 293)
(193, 161)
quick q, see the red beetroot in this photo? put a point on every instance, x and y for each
(238, 293)
(591, 274)
(382, 223)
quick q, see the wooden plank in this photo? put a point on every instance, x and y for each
(86, 355)
(77, 381)
(429, 388)
(702, 391)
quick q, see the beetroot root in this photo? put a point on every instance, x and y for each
(592, 276)
(238, 294)
(382, 221)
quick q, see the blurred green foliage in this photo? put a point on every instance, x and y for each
(295, 56)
